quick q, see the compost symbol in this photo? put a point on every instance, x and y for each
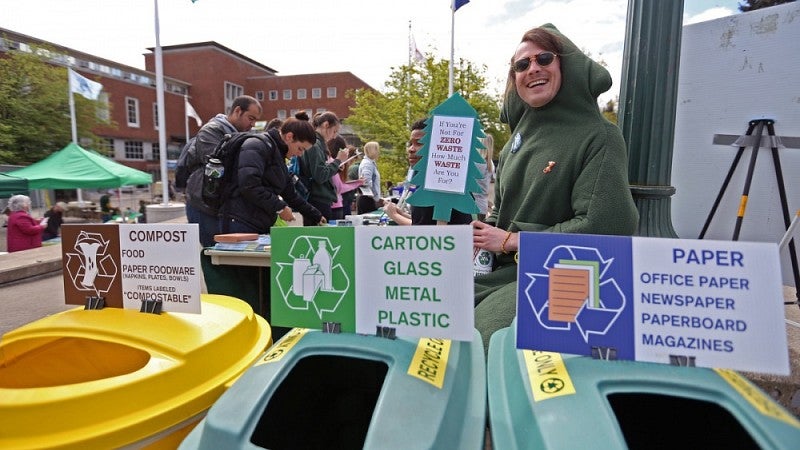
(575, 291)
(314, 278)
(91, 268)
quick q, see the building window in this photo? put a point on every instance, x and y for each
(316, 93)
(231, 92)
(132, 111)
(301, 94)
(287, 94)
(321, 110)
(332, 92)
(156, 152)
(134, 150)
(260, 96)
(282, 114)
(155, 116)
(273, 95)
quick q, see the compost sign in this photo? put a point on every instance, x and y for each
(690, 302)
(415, 281)
(127, 264)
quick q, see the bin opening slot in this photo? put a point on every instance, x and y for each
(662, 421)
(325, 402)
(58, 361)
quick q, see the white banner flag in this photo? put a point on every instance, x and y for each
(84, 86)
(190, 112)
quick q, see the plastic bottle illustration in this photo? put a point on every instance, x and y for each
(323, 260)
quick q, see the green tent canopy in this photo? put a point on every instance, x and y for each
(73, 167)
(12, 185)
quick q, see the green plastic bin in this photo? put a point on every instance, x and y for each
(584, 403)
(315, 390)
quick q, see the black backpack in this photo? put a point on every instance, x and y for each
(221, 170)
(182, 170)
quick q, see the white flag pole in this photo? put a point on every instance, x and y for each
(162, 126)
(74, 121)
(452, 48)
(72, 106)
(186, 114)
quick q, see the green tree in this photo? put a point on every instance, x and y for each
(34, 108)
(752, 5)
(411, 93)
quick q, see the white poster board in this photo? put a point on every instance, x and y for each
(733, 70)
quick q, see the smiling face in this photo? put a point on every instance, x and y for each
(537, 85)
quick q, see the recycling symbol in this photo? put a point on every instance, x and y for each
(314, 280)
(574, 291)
(90, 266)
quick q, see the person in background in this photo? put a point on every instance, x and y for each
(487, 170)
(339, 179)
(423, 215)
(274, 123)
(55, 218)
(245, 110)
(349, 174)
(564, 170)
(370, 198)
(24, 232)
(314, 165)
(107, 209)
(264, 190)
(142, 211)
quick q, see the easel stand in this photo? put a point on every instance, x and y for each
(753, 138)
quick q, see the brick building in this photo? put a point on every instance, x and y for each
(210, 75)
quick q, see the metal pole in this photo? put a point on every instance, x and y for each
(162, 122)
(648, 101)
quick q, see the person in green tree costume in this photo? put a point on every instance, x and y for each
(564, 169)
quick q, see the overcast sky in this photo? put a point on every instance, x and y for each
(366, 38)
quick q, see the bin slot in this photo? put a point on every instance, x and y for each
(325, 402)
(652, 421)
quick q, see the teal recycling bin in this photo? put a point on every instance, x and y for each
(544, 400)
(315, 390)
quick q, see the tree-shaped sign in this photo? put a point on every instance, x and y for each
(446, 174)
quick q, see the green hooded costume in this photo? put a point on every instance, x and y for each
(564, 170)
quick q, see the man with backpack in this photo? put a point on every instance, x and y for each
(245, 110)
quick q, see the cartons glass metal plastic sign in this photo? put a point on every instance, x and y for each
(415, 280)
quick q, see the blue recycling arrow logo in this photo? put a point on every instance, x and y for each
(574, 290)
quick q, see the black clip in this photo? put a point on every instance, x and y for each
(95, 303)
(386, 332)
(331, 327)
(681, 361)
(604, 353)
(151, 306)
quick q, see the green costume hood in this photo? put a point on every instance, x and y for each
(582, 81)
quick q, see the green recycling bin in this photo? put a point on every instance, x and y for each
(315, 390)
(545, 400)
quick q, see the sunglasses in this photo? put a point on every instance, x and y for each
(543, 59)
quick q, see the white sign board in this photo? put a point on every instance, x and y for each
(416, 279)
(448, 157)
(160, 262)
